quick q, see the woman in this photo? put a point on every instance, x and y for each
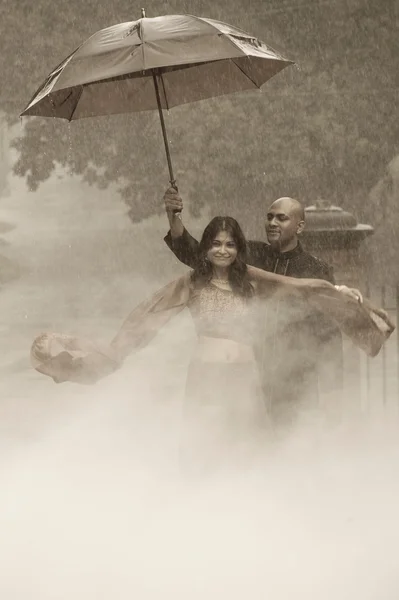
(221, 293)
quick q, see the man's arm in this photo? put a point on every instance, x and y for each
(182, 244)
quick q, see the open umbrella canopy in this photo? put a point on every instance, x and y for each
(192, 58)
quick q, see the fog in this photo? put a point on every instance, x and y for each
(94, 503)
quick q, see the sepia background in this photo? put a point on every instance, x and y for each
(92, 505)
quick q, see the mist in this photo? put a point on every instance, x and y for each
(94, 503)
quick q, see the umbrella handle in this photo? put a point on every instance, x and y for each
(164, 134)
(172, 179)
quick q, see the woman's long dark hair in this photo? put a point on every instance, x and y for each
(238, 271)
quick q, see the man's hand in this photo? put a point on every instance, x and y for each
(174, 203)
(172, 200)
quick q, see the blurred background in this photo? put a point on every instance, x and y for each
(81, 203)
(81, 242)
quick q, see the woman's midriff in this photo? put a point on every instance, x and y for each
(214, 349)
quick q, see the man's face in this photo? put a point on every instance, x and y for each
(283, 224)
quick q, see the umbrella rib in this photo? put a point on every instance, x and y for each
(76, 104)
(54, 73)
(224, 35)
(231, 42)
(216, 28)
(244, 73)
(246, 34)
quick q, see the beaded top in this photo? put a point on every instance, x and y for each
(221, 313)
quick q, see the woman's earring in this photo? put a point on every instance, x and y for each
(205, 261)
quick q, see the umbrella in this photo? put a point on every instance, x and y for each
(155, 63)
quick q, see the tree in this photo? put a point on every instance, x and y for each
(326, 130)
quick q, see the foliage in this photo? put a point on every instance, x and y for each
(327, 129)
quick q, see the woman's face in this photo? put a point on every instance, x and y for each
(223, 251)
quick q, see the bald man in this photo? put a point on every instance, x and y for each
(297, 345)
(285, 220)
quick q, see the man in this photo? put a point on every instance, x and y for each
(283, 254)
(296, 343)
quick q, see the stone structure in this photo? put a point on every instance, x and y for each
(334, 235)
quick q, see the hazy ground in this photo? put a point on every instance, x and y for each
(92, 503)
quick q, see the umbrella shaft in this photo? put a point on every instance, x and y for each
(165, 138)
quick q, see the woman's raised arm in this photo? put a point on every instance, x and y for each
(268, 284)
(143, 323)
(367, 326)
(70, 358)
